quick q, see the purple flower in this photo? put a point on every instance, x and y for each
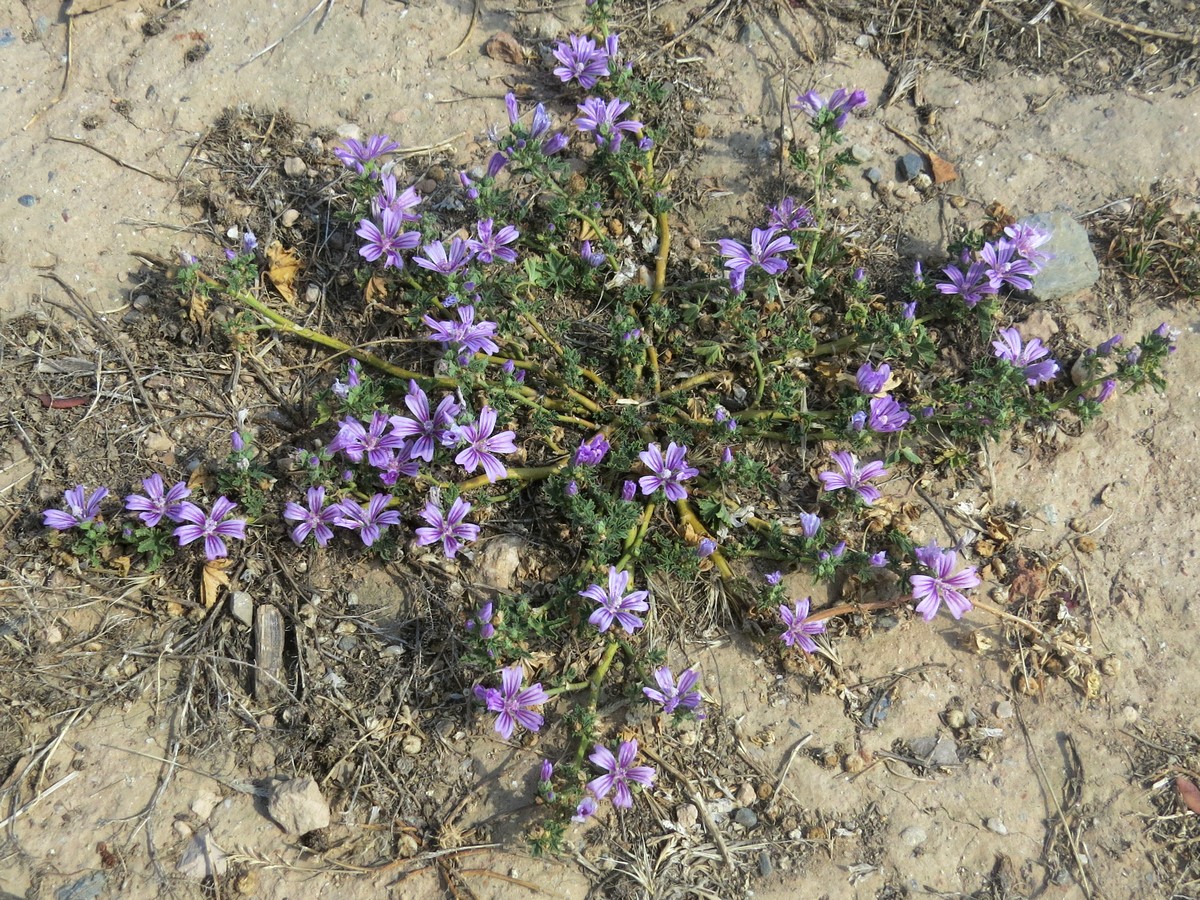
(429, 429)
(942, 586)
(601, 120)
(789, 215)
(628, 490)
(1106, 348)
(369, 519)
(872, 381)
(585, 810)
(547, 771)
(581, 60)
(449, 528)
(1027, 238)
(918, 273)
(878, 560)
(482, 446)
(797, 627)
(909, 310)
(401, 204)
(887, 415)
(971, 285)
(492, 246)
(156, 504)
(853, 477)
(810, 524)
(572, 488)
(615, 603)
(399, 462)
(464, 335)
(436, 258)
(314, 519)
(595, 259)
(840, 104)
(763, 252)
(484, 615)
(1106, 390)
(706, 548)
(237, 442)
(79, 508)
(210, 527)
(592, 451)
(341, 389)
(727, 456)
(621, 771)
(836, 552)
(1027, 358)
(773, 577)
(249, 241)
(672, 695)
(511, 702)
(386, 240)
(1004, 267)
(356, 441)
(669, 472)
(857, 422)
(355, 154)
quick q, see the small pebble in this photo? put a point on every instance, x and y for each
(764, 864)
(289, 218)
(349, 132)
(909, 166)
(687, 815)
(861, 153)
(922, 182)
(913, 836)
(241, 607)
(746, 794)
(1129, 714)
(1004, 710)
(996, 824)
(294, 167)
(27, 200)
(1121, 208)
(873, 175)
(746, 817)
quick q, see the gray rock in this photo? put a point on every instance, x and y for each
(297, 806)
(500, 559)
(1073, 268)
(241, 607)
(294, 167)
(89, 887)
(202, 858)
(751, 33)
(936, 751)
(909, 166)
(873, 175)
(764, 864)
(996, 824)
(1004, 710)
(861, 153)
(913, 836)
(745, 817)
(27, 200)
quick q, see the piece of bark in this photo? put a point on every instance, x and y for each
(268, 653)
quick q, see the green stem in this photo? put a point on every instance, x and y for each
(637, 533)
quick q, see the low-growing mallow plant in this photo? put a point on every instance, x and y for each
(636, 392)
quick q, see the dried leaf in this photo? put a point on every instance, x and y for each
(213, 577)
(943, 170)
(121, 564)
(197, 308)
(375, 290)
(283, 267)
(1188, 793)
(504, 47)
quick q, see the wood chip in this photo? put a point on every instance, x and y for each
(268, 653)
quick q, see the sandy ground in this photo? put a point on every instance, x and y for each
(1025, 140)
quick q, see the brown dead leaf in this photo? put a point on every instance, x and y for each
(1188, 793)
(504, 47)
(376, 290)
(213, 577)
(943, 170)
(197, 308)
(1029, 582)
(121, 564)
(283, 267)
